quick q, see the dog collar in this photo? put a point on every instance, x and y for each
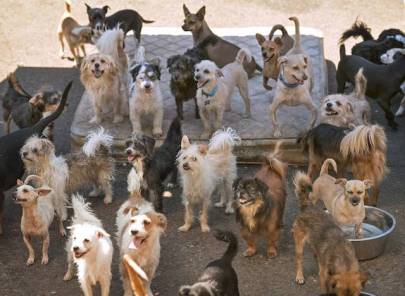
(285, 82)
(212, 93)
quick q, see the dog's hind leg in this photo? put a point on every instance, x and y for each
(323, 276)
(244, 93)
(7, 127)
(229, 197)
(105, 282)
(273, 235)
(222, 196)
(385, 104)
(62, 45)
(299, 240)
(314, 112)
(31, 254)
(104, 179)
(45, 246)
(273, 115)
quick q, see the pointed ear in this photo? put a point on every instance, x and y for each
(219, 73)
(201, 13)
(185, 10)
(35, 100)
(185, 142)
(341, 181)
(131, 209)
(88, 7)
(278, 41)
(43, 191)
(19, 182)
(260, 38)
(367, 183)
(184, 290)
(203, 149)
(282, 60)
(102, 233)
(305, 59)
(106, 8)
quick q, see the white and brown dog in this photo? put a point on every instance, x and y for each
(216, 87)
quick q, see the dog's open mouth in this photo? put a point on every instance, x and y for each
(79, 254)
(97, 73)
(133, 157)
(244, 201)
(330, 112)
(202, 83)
(186, 167)
(269, 58)
(20, 200)
(300, 81)
(137, 242)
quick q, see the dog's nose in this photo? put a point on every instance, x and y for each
(99, 27)
(197, 77)
(264, 54)
(25, 154)
(97, 65)
(305, 77)
(147, 86)
(186, 166)
(134, 232)
(128, 152)
(355, 201)
(329, 105)
(75, 249)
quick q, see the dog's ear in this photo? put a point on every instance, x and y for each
(185, 142)
(341, 181)
(219, 73)
(260, 38)
(171, 60)
(305, 59)
(203, 149)
(106, 8)
(155, 63)
(261, 186)
(102, 233)
(201, 13)
(282, 60)
(19, 182)
(278, 41)
(88, 8)
(128, 143)
(43, 191)
(131, 209)
(367, 183)
(349, 107)
(149, 144)
(184, 290)
(135, 71)
(161, 220)
(36, 100)
(185, 10)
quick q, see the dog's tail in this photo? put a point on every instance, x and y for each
(358, 29)
(68, 6)
(360, 85)
(223, 140)
(98, 142)
(111, 42)
(243, 55)
(297, 40)
(278, 27)
(229, 237)
(14, 84)
(275, 164)
(82, 213)
(325, 166)
(302, 189)
(342, 51)
(145, 21)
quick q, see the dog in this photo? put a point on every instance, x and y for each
(369, 48)
(126, 19)
(220, 51)
(24, 109)
(218, 277)
(383, 81)
(215, 88)
(294, 83)
(271, 51)
(203, 169)
(90, 248)
(75, 35)
(345, 110)
(156, 165)
(11, 165)
(182, 83)
(37, 214)
(362, 149)
(260, 202)
(100, 76)
(339, 271)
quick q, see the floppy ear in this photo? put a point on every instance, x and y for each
(203, 149)
(219, 73)
(35, 100)
(43, 191)
(184, 290)
(131, 209)
(278, 41)
(161, 220)
(341, 181)
(185, 142)
(201, 13)
(149, 144)
(48, 146)
(135, 71)
(350, 107)
(19, 182)
(367, 183)
(282, 60)
(185, 10)
(102, 233)
(106, 8)
(170, 61)
(260, 38)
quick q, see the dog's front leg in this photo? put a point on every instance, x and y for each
(188, 218)
(45, 246)
(105, 283)
(179, 107)
(358, 230)
(204, 215)
(117, 109)
(97, 119)
(219, 114)
(70, 270)
(222, 196)
(273, 115)
(244, 93)
(136, 121)
(250, 239)
(157, 123)
(266, 83)
(205, 120)
(323, 276)
(86, 287)
(31, 254)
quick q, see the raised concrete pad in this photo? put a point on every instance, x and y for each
(255, 132)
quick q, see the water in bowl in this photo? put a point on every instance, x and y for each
(369, 230)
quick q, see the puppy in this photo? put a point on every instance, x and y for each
(218, 277)
(90, 248)
(271, 51)
(216, 87)
(294, 83)
(146, 96)
(182, 83)
(156, 165)
(220, 51)
(100, 76)
(339, 271)
(37, 214)
(11, 165)
(260, 204)
(202, 170)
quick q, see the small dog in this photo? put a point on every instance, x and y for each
(218, 277)
(37, 215)
(271, 51)
(383, 81)
(182, 83)
(220, 51)
(216, 87)
(146, 96)
(90, 247)
(101, 78)
(294, 83)
(347, 109)
(259, 204)
(343, 199)
(202, 170)
(156, 165)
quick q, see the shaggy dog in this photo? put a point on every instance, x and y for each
(202, 170)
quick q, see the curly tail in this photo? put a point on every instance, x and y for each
(82, 212)
(297, 40)
(98, 142)
(242, 55)
(229, 237)
(325, 166)
(223, 140)
(360, 85)
(357, 29)
(278, 27)
(302, 188)
(276, 165)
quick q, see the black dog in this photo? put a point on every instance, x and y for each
(11, 165)
(370, 48)
(383, 81)
(219, 277)
(182, 82)
(158, 164)
(127, 19)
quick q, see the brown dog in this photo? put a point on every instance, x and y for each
(271, 51)
(260, 204)
(220, 51)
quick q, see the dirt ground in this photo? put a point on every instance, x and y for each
(28, 43)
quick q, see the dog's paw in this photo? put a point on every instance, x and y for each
(219, 204)
(205, 228)
(229, 211)
(277, 133)
(249, 252)
(184, 228)
(271, 253)
(30, 261)
(45, 260)
(118, 118)
(300, 280)
(107, 200)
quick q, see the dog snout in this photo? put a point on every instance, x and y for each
(128, 151)
(305, 77)
(147, 85)
(25, 154)
(197, 77)
(75, 249)
(99, 26)
(264, 54)
(97, 65)
(134, 232)
(329, 105)
(186, 166)
(355, 201)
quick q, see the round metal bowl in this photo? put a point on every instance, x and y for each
(377, 228)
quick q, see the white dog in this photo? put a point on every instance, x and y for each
(202, 170)
(90, 247)
(216, 87)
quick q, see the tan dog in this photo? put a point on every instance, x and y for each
(271, 51)
(294, 83)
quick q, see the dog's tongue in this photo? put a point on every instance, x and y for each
(135, 243)
(131, 158)
(200, 84)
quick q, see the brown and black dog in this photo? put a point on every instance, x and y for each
(260, 204)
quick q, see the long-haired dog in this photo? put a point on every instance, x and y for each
(218, 277)
(362, 149)
(90, 248)
(216, 87)
(339, 271)
(100, 76)
(202, 170)
(146, 96)
(260, 202)
(37, 214)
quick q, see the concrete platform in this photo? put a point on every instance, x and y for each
(255, 132)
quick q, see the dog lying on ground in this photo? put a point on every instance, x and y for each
(383, 81)
(37, 214)
(90, 247)
(294, 83)
(11, 165)
(202, 170)
(259, 204)
(220, 51)
(218, 277)
(271, 51)
(216, 87)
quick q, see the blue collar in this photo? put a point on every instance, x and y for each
(212, 93)
(284, 81)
